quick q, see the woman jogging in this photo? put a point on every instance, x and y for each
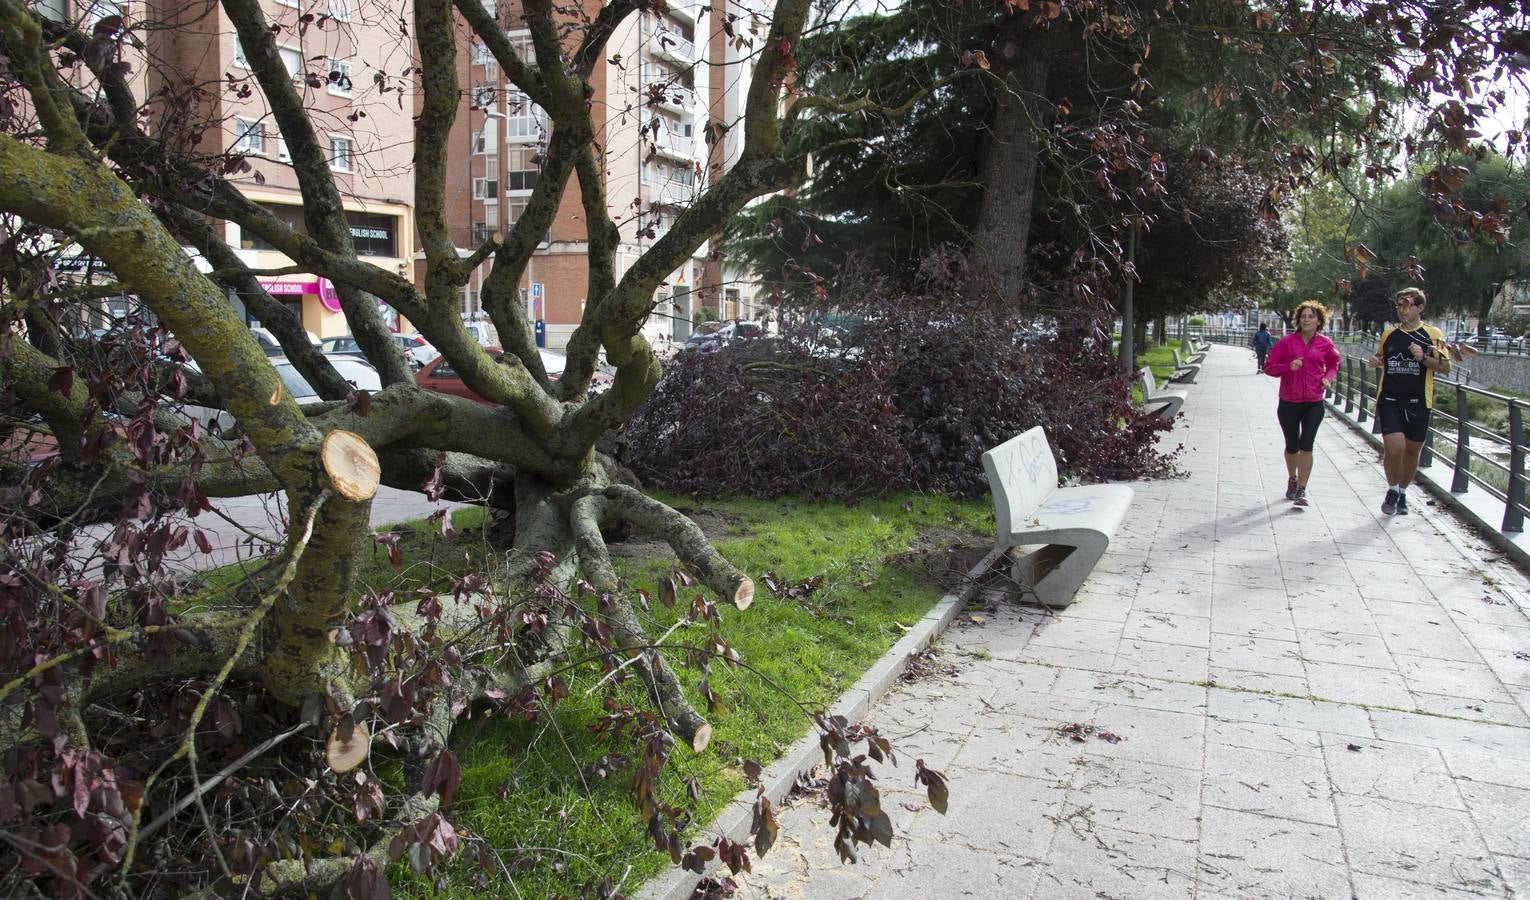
(1305, 362)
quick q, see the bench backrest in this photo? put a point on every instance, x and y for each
(1178, 363)
(1021, 474)
(1149, 384)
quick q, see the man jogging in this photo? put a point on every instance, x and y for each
(1409, 355)
(1262, 342)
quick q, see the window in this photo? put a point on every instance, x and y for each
(292, 59)
(340, 10)
(249, 136)
(524, 166)
(527, 121)
(485, 188)
(51, 9)
(340, 153)
(490, 8)
(486, 141)
(339, 77)
(96, 10)
(292, 3)
(520, 42)
(373, 234)
(281, 149)
(470, 303)
(481, 232)
(240, 59)
(291, 216)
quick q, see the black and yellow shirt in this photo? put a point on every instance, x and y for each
(1402, 376)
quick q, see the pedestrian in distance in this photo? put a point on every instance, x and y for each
(1306, 362)
(1262, 342)
(1409, 355)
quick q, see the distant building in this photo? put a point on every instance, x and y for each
(663, 80)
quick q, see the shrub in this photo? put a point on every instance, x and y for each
(930, 377)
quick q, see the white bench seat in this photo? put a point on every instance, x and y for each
(1068, 528)
(1184, 372)
(1164, 404)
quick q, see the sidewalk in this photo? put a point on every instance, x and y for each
(1309, 703)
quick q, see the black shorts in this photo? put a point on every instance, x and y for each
(1411, 417)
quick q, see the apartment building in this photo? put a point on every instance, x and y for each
(187, 61)
(665, 76)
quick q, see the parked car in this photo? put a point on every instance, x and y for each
(271, 345)
(482, 332)
(710, 337)
(1497, 340)
(417, 350)
(438, 375)
(417, 347)
(357, 371)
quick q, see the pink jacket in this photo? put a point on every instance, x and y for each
(1321, 363)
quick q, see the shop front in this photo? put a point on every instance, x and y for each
(317, 303)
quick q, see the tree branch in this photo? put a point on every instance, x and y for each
(663, 687)
(684, 537)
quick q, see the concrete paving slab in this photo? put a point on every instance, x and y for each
(1268, 783)
(1426, 844)
(1249, 855)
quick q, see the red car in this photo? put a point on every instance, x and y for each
(438, 375)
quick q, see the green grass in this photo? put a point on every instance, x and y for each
(526, 786)
(1160, 358)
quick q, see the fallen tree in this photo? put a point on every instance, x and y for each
(132, 702)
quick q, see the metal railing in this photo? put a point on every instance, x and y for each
(1465, 432)
(1490, 346)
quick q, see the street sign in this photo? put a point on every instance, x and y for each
(536, 290)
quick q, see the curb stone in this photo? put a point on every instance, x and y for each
(781, 776)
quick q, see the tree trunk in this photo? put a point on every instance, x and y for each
(1010, 160)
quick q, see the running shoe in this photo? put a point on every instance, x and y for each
(1291, 487)
(1402, 503)
(1301, 496)
(1389, 505)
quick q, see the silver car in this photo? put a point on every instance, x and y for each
(360, 373)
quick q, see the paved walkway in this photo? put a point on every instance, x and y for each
(1319, 703)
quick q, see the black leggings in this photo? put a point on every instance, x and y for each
(1300, 423)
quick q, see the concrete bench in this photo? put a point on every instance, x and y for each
(1195, 353)
(1163, 404)
(1184, 372)
(1070, 527)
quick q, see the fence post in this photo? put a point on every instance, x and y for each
(1513, 514)
(1361, 415)
(1460, 484)
(1348, 384)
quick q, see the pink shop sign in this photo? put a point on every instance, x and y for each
(276, 288)
(328, 295)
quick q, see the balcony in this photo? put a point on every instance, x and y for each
(671, 193)
(669, 45)
(675, 146)
(674, 97)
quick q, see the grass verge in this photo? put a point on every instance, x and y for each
(550, 796)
